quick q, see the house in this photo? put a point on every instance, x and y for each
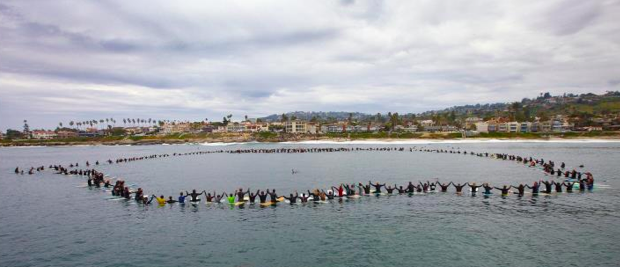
(235, 127)
(295, 126)
(513, 127)
(482, 127)
(471, 121)
(502, 127)
(171, 128)
(67, 134)
(312, 128)
(43, 134)
(427, 123)
(525, 127)
(411, 128)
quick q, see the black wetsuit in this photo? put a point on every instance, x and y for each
(487, 189)
(262, 197)
(194, 196)
(274, 197)
(459, 188)
(410, 188)
(569, 187)
(292, 199)
(521, 190)
(558, 187)
(548, 188)
(444, 188)
(378, 187)
(366, 189)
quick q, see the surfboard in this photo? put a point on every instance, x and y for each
(267, 204)
(238, 203)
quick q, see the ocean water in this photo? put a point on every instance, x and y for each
(52, 220)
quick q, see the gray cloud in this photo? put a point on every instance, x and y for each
(67, 60)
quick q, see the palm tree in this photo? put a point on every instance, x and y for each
(71, 123)
(60, 124)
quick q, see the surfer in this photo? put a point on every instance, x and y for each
(292, 199)
(458, 187)
(170, 200)
(474, 188)
(262, 196)
(520, 189)
(504, 189)
(194, 195)
(160, 200)
(569, 186)
(273, 195)
(181, 198)
(444, 187)
(535, 187)
(377, 187)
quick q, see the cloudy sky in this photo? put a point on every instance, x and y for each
(79, 60)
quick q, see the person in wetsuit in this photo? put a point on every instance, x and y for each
(558, 186)
(304, 198)
(548, 188)
(520, 189)
(535, 187)
(209, 197)
(138, 195)
(569, 186)
(292, 199)
(474, 188)
(350, 189)
(273, 195)
(329, 194)
(503, 189)
(315, 195)
(181, 198)
(390, 189)
(339, 189)
(410, 188)
(253, 196)
(487, 188)
(400, 189)
(160, 200)
(377, 186)
(170, 200)
(444, 187)
(241, 194)
(262, 196)
(459, 187)
(194, 195)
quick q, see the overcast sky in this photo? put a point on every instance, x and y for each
(79, 60)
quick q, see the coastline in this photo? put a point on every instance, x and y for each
(305, 139)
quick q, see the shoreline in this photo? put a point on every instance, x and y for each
(306, 140)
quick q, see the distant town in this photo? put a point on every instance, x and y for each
(545, 115)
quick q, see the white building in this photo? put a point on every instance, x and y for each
(295, 126)
(482, 127)
(42, 134)
(427, 123)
